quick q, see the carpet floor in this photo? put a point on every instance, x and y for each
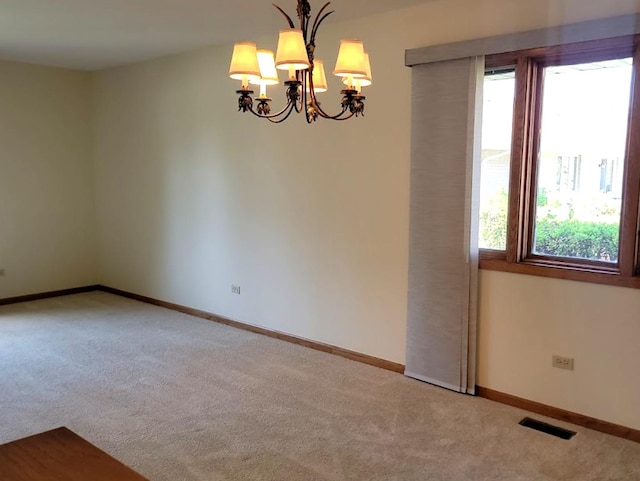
(179, 398)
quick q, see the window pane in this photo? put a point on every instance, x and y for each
(497, 121)
(585, 109)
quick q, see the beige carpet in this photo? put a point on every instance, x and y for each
(179, 398)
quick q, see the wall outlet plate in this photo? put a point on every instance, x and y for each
(562, 362)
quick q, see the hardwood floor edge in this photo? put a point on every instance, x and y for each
(47, 295)
(318, 346)
(561, 414)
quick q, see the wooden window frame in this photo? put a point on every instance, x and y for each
(518, 256)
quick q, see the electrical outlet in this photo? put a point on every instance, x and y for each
(235, 289)
(562, 362)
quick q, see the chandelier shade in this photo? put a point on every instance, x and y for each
(351, 61)
(244, 62)
(268, 72)
(292, 51)
(363, 81)
(319, 77)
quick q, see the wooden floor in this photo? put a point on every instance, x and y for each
(60, 455)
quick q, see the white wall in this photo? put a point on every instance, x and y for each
(194, 196)
(47, 215)
(312, 221)
(526, 319)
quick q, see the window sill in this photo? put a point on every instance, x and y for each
(492, 261)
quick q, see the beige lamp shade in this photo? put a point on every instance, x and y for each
(319, 77)
(244, 62)
(268, 72)
(363, 81)
(351, 60)
(292, 51)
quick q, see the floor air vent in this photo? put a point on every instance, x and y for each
(547, 428)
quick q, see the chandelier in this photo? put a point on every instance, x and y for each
(306, 74)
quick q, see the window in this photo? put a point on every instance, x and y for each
(583, 131)
(560, 175)
(497, 113)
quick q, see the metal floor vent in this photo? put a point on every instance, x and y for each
(547, 428)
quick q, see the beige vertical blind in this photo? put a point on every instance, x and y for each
(443, 251)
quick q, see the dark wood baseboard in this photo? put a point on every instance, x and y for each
(47, 295)
(318, 346)
(561, 414)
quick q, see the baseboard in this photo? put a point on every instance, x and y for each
(318, 346)
(561, 414)
(47, 295)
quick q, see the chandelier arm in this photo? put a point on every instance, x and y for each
(309, 100)
(291, 24)
(305, 31)
(339, 119)
(318, 22)
(312, 88)
(319, 112)
(313, 106)
(272, 116)
(325, 115)
(279, 120)
(298, 104)
(304, 24)
(315, 23)
(339, 116)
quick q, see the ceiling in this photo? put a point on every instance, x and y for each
(97, 34)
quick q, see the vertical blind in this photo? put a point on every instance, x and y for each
(443, 250)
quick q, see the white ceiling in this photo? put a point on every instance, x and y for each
(97, 34)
